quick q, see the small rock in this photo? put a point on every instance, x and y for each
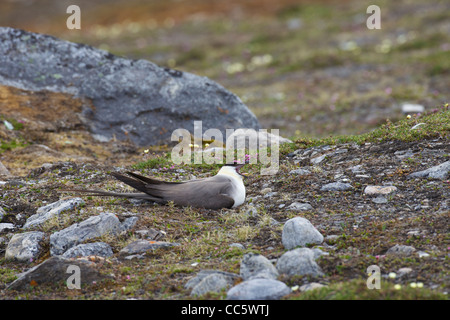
(46, 212)
(89, 249)
(300, 172)
(93, 227)
(404, 154)
(401, 250)
(24, 247)
(53, 271)
(251, 211)
(380, 200)
(212, 283)
(150, 234)
(336, 186)
(228, 276)
(265, 191)
(414, 233)
(436, 172)
(142, 246)
(257, 266)
(318, 160)
(299, 262)
(6, 226)
(404, 271)
(412, 108)
(237, 245)
(358, 169)
(311, 286)
(299, 231)
(128, 224)
(258, 289)
(331, 239)
(2, 213)
(4, 171)
(379, 190)
(297, 206)
(270, 194)
(423, 254)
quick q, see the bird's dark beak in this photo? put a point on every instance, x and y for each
(238, 168)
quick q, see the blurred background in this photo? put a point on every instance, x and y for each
(308, 68)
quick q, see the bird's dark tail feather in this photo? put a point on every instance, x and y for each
(100, 193)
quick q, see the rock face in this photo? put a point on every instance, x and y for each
(255, 266)
(299, 262)
(54, 270)
(258, 289)
(299, 231)
(133, 99)
(24, 246)
(103, 224)
(51, 210)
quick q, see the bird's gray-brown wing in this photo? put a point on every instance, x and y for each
(210, 193)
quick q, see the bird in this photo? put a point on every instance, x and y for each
(224, 190)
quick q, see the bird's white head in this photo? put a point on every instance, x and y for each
(232, 170)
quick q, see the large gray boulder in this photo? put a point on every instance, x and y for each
(132, 99)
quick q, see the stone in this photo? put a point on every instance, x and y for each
(142, 246)
(150, 234)
(318, 159)
(228, 276)
(25, 247)
(258, 289)
(401, 250)
(336, 186)
(89, 249)
(51, 210)
(299, 231)
(299, 262)
(437, 172)
(379, 190)
(404, 271)
(257, 266)
(134, 100)
(311, 286)
(412, 108)
(54, 271)
(2, 213)
(237, 245)
(6, 226)
(212, 283)
(4, 171)
(128, 224)
(379, 200)
(358, 169)
(332, 238)
(297, 206)
(300, 172)
(93, 227)
(422, 254)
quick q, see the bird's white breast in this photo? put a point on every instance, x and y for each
(238, 193)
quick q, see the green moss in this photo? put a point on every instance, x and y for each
(357, 290)
(436, 124)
